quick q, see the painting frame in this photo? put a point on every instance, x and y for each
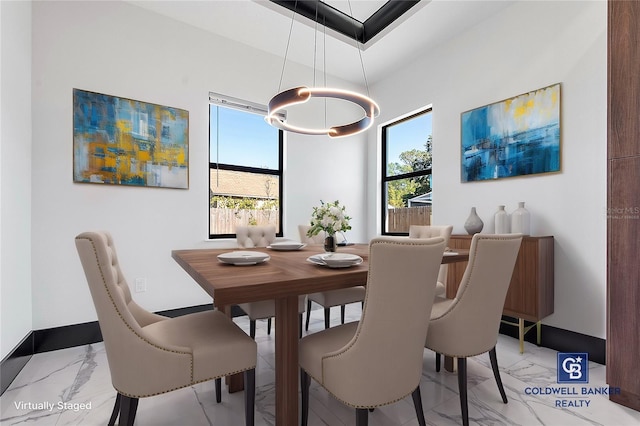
(517, 136)
(122, 141)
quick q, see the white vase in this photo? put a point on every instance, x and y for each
(474, 224)
(521, 220)
(501, 220)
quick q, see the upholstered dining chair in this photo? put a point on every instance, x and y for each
(430, 231)
(149, 354)
(378, 360)
(468, 324)
(329, 299)
(255, 236)
(260, 236)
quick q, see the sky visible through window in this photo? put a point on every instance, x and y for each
(407, 135)
(244, 139)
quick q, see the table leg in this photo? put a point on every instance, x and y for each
(287, 369)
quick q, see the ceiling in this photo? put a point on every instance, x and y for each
(267, 26)
(360, 24)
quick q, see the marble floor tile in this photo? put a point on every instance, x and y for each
(76, 386)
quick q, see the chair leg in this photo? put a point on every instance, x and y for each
(462, 388)
(252, 329)
(218, 390)
(116, 410)
(306, 327)
(417, 402)
(327, 314)
(249, 396)
(362, 417)
(305, 382)
(269, 326)
(342, 310)
(496, 373)
(128, 409)
(437, 361)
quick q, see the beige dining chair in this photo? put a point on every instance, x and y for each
(149, 354)
(430, 231)
(378, 360)
(260, 236)
(468, 324)
(328, 299)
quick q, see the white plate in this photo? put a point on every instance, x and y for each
(450, 253)
(286, 246)
(335, 260)
(241, 258)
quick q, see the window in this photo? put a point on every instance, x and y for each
(245, 167)
(406, 173)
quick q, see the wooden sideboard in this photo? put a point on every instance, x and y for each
(530, 295)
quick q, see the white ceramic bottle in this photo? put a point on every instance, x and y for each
(501, 220)
(521, 220)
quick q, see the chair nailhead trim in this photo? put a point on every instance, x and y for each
(185, 386)
(127, 324)
(337, 355)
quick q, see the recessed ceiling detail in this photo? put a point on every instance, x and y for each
(339, 21)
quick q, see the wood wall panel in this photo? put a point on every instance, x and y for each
(623, 327)
(624, 77)
(623, 201)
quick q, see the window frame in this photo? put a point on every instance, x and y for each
(224, 101)
(386, 179)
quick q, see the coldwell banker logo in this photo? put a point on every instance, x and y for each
(573, 367)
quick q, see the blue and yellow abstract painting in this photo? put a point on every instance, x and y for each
(515, 137)
(126, 142)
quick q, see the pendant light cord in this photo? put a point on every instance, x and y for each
(315, 45)
(355, 37)
(286, 52)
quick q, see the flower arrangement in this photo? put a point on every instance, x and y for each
(330, 218)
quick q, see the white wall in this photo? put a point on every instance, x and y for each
(122, 50)
(525, 47)
(119, 49)
(15, 179)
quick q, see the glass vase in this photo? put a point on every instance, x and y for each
(330, 243)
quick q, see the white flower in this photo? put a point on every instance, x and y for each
(330, 218)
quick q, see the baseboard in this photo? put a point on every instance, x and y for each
(53, 339)
(561, 340)
(15, 361)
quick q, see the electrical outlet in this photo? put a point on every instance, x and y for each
(141, 285)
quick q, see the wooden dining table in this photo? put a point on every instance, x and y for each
(284, 277)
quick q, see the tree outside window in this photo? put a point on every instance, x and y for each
(406, 173)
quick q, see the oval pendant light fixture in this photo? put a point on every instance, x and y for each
(299, 95)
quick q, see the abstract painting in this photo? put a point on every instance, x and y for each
(121, 141)
(515, 137)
